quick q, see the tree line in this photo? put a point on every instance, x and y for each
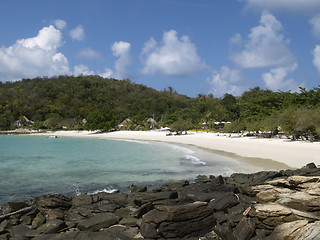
(93, 102)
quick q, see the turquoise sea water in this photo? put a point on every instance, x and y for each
(34, 165)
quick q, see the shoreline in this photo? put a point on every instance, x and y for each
(295, 154)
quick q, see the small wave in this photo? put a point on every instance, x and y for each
(227, 173)
(132, 141)
(75, 190)
(106, 190)
(195, 160)
(182, 149)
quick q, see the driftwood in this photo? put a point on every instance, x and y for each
(20, 211)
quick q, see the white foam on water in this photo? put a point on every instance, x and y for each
(195, 160)
(131, 141)
(227, 173)
(181, 149)
(106, 190)
(76, 190)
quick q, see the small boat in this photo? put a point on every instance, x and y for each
(54, 136)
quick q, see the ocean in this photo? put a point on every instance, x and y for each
(31, 166)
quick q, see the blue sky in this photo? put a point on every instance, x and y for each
(194, 46)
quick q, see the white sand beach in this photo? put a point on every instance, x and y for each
(295, 154)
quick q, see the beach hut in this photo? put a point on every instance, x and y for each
(23, 122)
(126, 122)
(153, 123)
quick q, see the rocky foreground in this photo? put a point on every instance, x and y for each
(266, 205)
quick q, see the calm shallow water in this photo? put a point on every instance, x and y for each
(34, 165)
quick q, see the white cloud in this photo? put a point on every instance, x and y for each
(107, 74)
(32, 57)
(236, 39)
(88, 53)
(175, 57)
(316, 57)
(276, 79)
(315, 22)
(60, 24)
(122, 51)
(82, 70)
(77, 33)
(227, 81)
(297, 6)
(265, 47)
(149, 46)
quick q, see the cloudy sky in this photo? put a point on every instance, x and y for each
(194, 46)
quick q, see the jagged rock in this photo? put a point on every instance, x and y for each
(38, 221)
(124, 230)
(57, 236)
(150, 197)
(5, 236)
(14, 220)
(104, 206)
(261, 234)
(245, 229)
(202, 179)
(298, 192)
(81, 200)
(52, 226)
(101, 220)
(223, 201)
(243, 180)
(4, 225)
(149, 230)
(141, 189)
(195, 195)
(19, 231)
(26, 219)
(56, 213)
(117, 198)
(269, 193)
(176, 185)
(296, 230)
(53, 201)
(82, 236)
(131, 222)
(177, 221)
(73, 217)
(238, 209)
(224, 231)
(12, 207)
(143, 210)
(301, 201)
(273, 214)
(293, 182)
(210, 236)
(220, 217)
(125, 212)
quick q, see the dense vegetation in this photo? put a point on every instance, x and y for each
(92, 102)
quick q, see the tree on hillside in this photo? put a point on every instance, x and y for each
(100, 120)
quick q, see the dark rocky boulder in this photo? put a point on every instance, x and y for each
(223, 201)
(146, 197)
(95, 223)
(177, 221)
(12, 207)
(53, 201)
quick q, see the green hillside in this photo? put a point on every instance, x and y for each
(93, 102)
